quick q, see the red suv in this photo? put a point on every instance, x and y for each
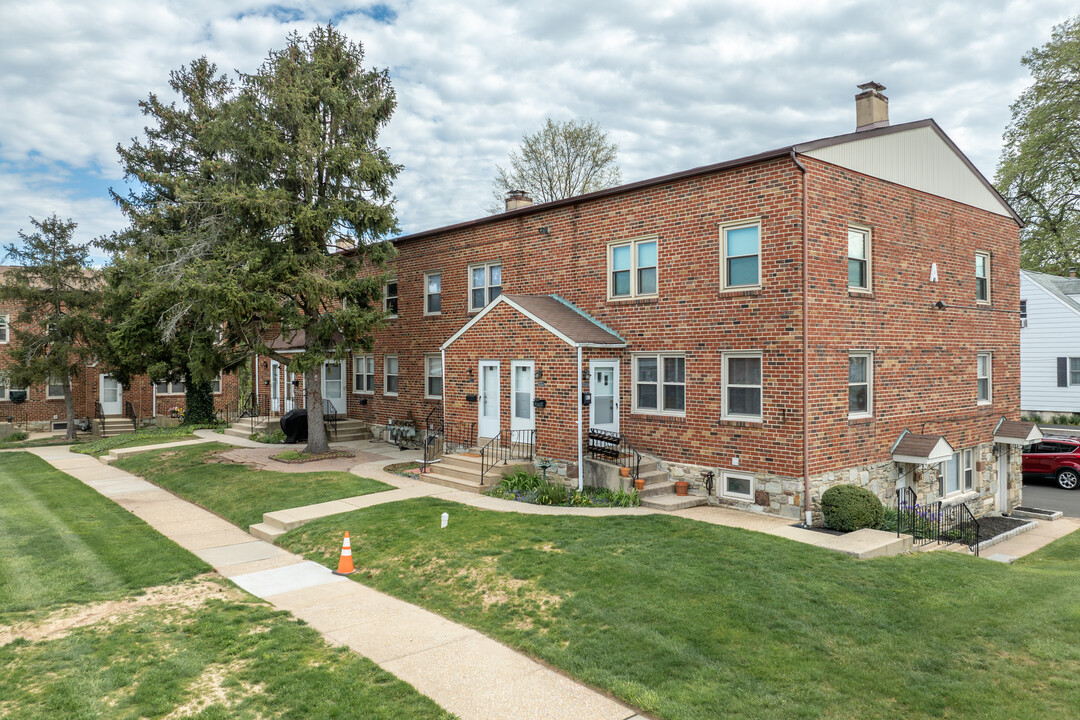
(1056, 457)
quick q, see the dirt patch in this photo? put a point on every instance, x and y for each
(209, 689)
(332, 455)
(60, 623)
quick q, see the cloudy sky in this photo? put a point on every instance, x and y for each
(677, 83)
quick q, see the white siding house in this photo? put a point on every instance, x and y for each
(1049, 343)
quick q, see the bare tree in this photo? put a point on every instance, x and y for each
(562, 160)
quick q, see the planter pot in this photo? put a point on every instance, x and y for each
(639, 484)
(624, 472)
(681, 487)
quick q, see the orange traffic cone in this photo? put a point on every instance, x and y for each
(345, 566)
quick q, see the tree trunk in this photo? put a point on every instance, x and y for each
(199, 402)
(69, 408)
(316, 428)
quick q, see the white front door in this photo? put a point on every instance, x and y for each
(275, 386)
(604, 386)
(333, 388)
(111, 396)
(523, 415)
(1003, 479)
(488, 400)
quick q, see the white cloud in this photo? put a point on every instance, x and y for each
(676, 84)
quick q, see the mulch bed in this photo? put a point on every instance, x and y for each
(991, 527)
(332, 455)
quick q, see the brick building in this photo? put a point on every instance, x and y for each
(838, 311)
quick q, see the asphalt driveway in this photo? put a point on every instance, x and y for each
(1047, 495)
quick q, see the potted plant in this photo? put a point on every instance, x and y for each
(624, 472)
(681, 487)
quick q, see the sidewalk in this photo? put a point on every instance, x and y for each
(461, 669)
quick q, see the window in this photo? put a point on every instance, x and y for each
(969, 469)
(742, 387)
(215, 385)
(737, 486)
(858, 262)
(363, 367)
(860, 384)
(5, 320)
(983, 372)
(660, 384)
(433, 376)
(5, 390)
(485, 284)
(170, 388)
(432, 293)
(1074, 371)
(390, 296)
(1023, 313)
(632, 268)
(982, 277)
(740, 249)
(390, 375)
(957, 473)
(54, 389)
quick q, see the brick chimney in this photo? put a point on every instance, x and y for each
(517, 199)
(871, 107)
(1072, 272)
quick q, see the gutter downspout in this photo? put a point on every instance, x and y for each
(580, 457)
(442, 351)
(805, 345)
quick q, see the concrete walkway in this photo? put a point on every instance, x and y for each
(462, 670)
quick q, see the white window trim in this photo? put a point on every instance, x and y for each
(487, 287)
(962, 457)
(725, 474)
(658, 410)
(869, 412)
(50, 396)
(169, 388)
(1023, 314)
(427, 369)
(5, 325)
(724, 414)
(869, 260)
(632, 243)
(724, 229)
(387, 375)
(427, 294)
(985, 301)
(989, 378)
(364, 359)
(397, 297)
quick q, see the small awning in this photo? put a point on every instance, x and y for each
(1017, 432)
(921, 449)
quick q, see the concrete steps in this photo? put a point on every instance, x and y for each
(116, 424)
(672, 502)
(462, 472)
(347, 429)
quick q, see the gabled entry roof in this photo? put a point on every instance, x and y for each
(921, 449)
(1016, 432)
(559, 317)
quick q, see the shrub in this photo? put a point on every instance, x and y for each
(849, 507)
(16, 436)
(275, 438)
(552, 494)
(521, 481)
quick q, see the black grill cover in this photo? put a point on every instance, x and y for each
(294, 425)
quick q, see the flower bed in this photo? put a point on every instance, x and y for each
(523, 486)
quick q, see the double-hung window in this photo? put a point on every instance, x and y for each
(660, 384)
(742, 387)
(982, 277)
(215, 385)
(390, 298)
(485, 284)
(632, 268)
(390, 375)
(860, 384)
(858, 263)
(54, 389)
(433, 293)
(983, 371)
(171, 388)
(363, 373)
(5, 321)
(433, 376)
(1023, 313)
(740, 249)
(957, 474)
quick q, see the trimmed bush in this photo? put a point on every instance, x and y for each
(850, 507)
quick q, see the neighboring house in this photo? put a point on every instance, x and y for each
(1049, 343)
(837, 311)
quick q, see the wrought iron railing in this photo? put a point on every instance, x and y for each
(330, 417)
(99, 415)
(129, 413)
(514, 445)
(935, 522)
(614, 448)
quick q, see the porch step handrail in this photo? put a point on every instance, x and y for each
(935, 522)
(99, 413)
(129, 412)
(515, 445)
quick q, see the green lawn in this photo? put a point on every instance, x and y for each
(62, 542)
(236, 492)
(219, 654)
(688, 620)
(143, 436)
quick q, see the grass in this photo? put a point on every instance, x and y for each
(7, 443)
(143, 436)
(236, 492)
(216, 653)
(688, 620)
(61, 542)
